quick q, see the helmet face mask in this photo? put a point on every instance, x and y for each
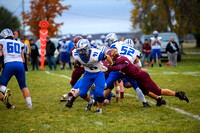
(111, 38)
(6, 33)
(83, 47)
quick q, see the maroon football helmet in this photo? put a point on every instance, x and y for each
(113, 54)
(76, 39)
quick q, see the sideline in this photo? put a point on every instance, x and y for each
(166, 106)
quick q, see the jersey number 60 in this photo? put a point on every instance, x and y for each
(13, 48)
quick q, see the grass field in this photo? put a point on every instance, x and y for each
(50, 115)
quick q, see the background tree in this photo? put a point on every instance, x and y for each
(7, 20)
(44, 10)
(179, 16)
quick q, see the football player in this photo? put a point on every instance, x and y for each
(13, 58)
(132, 55)
(62, 47)
(123, 64)
(91, 58)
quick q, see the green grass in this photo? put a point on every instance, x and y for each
(49, 115)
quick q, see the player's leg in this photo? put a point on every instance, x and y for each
(159, 57)
(49, 62)
(138, 92)
(113, 76)
(99, 90)
(83, 88)
(4, 79)
(20, 76)
(153, 56)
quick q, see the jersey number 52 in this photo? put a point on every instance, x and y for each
(127, 51)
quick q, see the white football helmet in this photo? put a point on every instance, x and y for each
(63, 38)
(103, 37)
(6, 33)
(155, 33)
(129, 42)
(111, 38)
(81, 45)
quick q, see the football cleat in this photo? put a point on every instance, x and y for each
(146, 104)
(99, 111)
(160, 102)
(69, 104)
(30, 106)
(182, 96)
(64, 98)
(6, 96)
(89, 105)
(10, 106)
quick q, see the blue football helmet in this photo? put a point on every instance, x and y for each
(83, 47)
(111, 38)
(6, 33)
(129, 42)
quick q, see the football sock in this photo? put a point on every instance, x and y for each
(160, 65)
(70, 94)
(140, 95)
(3, 89)
(28, 100)
(73, 99)
(177, 94)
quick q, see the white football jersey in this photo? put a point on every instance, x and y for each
(127, 51)
(156, 45)
(11, 50)
(63, 46)
(92, 64)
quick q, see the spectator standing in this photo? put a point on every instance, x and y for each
(50, 49)
(146, 51)
(136, 44)
(26, 53)
(34, 55)
(172, 51)
(27, 42)
(156, 48)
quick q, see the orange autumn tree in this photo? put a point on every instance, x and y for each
(44, 10)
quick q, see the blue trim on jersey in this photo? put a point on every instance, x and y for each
(100, 56)
(94, 46)
(86, 61)
(113, 46)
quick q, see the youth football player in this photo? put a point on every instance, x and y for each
(13, 59)
(91, 58)
(142, 77)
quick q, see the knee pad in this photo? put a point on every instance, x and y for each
(100, 99)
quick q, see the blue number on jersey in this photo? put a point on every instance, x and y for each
(127, 51)
(95, 53)
(13, 48)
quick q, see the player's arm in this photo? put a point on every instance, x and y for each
(22, 55)
(159, 42)
(108, 59)
(138, 63)
(118, 67)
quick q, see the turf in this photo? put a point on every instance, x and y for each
(128, 115)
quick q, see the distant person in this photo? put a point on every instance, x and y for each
(34, 55)
(156, 48)
(123, 39)
(27, 42)
(102, 42)
(69, 48)
(89, 38)
(146, 51)
(136, 44)
(172, 51)
(84, 35)
(50, 49)
(62, 48)
(26, 53)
